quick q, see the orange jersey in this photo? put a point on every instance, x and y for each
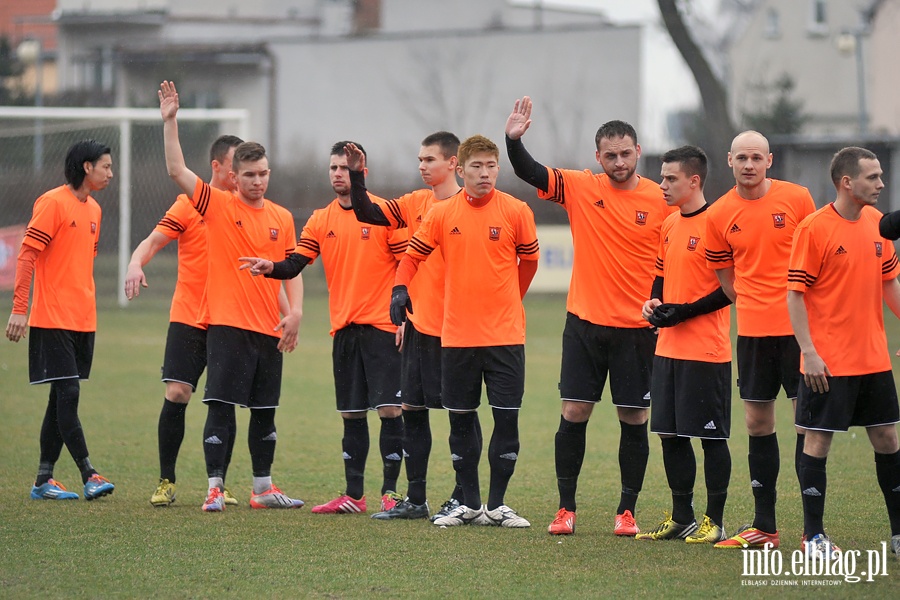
(185, 224)
(839, 266)
(65, 231)
(682, 264)
(481, 247)
(360, 261)
(615, 235)
(427, 288)
(235, 298)
(754, 237)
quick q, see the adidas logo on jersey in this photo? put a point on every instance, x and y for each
(393, 456)
(330, 235)
(600, 203)
(811, 491)
(840, 251)
(239, 224)
(213, 439)
(73, 224)
(734, 229)
(510, 456)
(455, 231)
(755, 484)
(709, 425)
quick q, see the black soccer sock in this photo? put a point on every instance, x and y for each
(229, 448)
(798, 451)
(51, 441)
(717, 471)
(812, 485)
(764, 465)
(215, 437)
(887, 468)
(570, 444)
(355, 444)
(390, 442)
(465, 452)
(417, 449)
(170, 433)
(503, 452)
(681, 473)
(634, 448)
(261, 439)
(67, 395)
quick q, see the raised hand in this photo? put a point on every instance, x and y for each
(519, 119)
(356, 160)
(168, 100)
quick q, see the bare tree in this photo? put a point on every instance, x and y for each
(717, 129)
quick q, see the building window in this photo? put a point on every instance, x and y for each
(818, 17)
(773, 24)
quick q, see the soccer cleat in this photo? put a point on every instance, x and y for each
(230, 500)
(895, 545)
(97, 486)
(820, 547)
(403, 510)
(164, 494)
(462, 515)
(389, 500)
(52, 490)
(625, 524)
(215, 501)
(504, 516)
(750, 537)
(445, 509)
(709, 533)
(668, 530)
(341, 505)
(834, 547)
(563, 523)
(273, 498)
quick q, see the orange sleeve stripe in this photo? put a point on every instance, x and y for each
(396, 212)
(309, 245)
(718, 256)
(39, 236)
(559, 185)
(170, 223)
(526, 249)
(890, 265)
(202, 202)
(398, 247)
(417, 245)
(802, 277)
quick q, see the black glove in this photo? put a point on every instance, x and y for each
(668, 315)
(400, 304)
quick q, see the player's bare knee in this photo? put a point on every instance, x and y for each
(632, 416)
(817, 443)
(577, 412)
(759, 418)
(179, 393)
(883, 438)
(389, 412)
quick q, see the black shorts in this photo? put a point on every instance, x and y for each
(691, 398)
(244, 367)
(590, 352)
(420, 369)
(59, 354)
(851, 401)
(366, 368)
(502, 368)
(765, 364)
(185, 356)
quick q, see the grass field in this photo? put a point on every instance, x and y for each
(120, 546)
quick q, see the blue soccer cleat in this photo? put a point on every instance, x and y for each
(52, 490)
(97, 486)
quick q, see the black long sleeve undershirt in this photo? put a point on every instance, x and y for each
(289, 267)
(707, 304)
(889, 226)
(657, 289)
(525, 167)
(365, 210)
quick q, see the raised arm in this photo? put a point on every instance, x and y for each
(146, 250)
(526, 168)
(178, 171)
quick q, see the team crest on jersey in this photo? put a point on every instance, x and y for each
(495, 233)
(600, 203)
(94, 230)
(778, 219)
(273, 234)
(878, 249)
(692, 243)
(365, 232)
(640, 217)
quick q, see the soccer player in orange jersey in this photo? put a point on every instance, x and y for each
(420, 370)
(59, 249)
(489, 243)
(246, 335)
(360, 261)
(615, 219)
(690, 389)
(185, 355)
(841, 269)
(749, 232)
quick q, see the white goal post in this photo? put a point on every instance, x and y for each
(123, 118)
